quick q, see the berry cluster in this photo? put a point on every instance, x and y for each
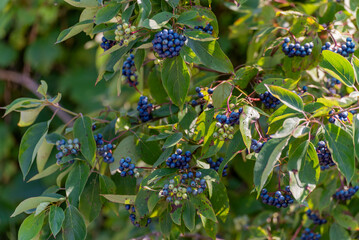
(231, 120)
(224, 132)
(291, 49)
(332, 82)
(345, 49)
(215, 165)
(129, 73)
(66, 149)
(343, 116)
(278, 200)
(144, 108)
(191, 183)
(104, 150)
(179, 160)
(168, 44)
(309, 235)
(324, 156)
(132, 211)
(207, 29)
(125, 33)
(269, 100)
(200, 99)
(315, 218)
(107, 44)
(256, 146)
(346, 194)
(128, 168)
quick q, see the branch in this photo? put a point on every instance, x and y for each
(32, 86)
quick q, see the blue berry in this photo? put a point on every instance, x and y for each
(279, 200)
(167, 39)
(129, 71)
(269, 100)
(107, 44)
(345, 49)
(144, 108)
(315, 218)
(296, 49)
(324, 156)
(346, 194)
(207, 29)
(215, 165)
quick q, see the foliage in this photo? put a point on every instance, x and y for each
(274, 122)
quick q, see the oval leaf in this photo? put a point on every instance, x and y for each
(287, 97)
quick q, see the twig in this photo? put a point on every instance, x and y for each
(32, 86)
(297, 232)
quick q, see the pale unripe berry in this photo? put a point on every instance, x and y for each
(133, 37)
(218, 124)
(133, 28)
(225, 126)
(230, 136)
(220, 131)
(127, 31)
(224, 135)
(125, 25)
(215, 135)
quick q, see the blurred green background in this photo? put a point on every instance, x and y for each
(28, 31)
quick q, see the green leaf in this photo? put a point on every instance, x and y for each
(287, 97)
(107, 186)
(22, 104)
(189, 215)
(297, 155)
(211, 55)
(83, 131)
(90, 201)
(355, 63)
(199, 35)
(43, 155)
(56, 218)
(221, 94)
(141, 201)
(210, 227)
(31, 226)
(107, 12)
(41, 207)
(344, 220)
(126, 148)
(190, 17)
(302, 183)
(74, 227)
(204, 207)
(173, 3)
(220, 201)
(30, 144)
(157, 21)
(74, 30)
(145, 10)
(166, 110)
(47, 172)
(83, 3)
(42, 89)
(165, 223)
(156, 88)
(340, 144)
(244, 76)
(28, 117)
(175, 79)
(266, 160)
(32, 203)
(338, 232)
(288, 127)
(248, 115)
(176, 215)
(173, 140)
(123, 199)
(163, 157)
(356, 134)
(339, 67)
(76, 181)
(234, 146)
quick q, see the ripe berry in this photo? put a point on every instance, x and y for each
(207, 29)
(67, 148)
(179, 160)
(315, 218)
(269, 100)
(309, 235)
(168, 44)
(129, 73)
(215, 165)
(107, 44)
(345, 49)
(346, 194)
(324, 156)
(128, 168)
(144, 108)
(279, 200)
(292, 50)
